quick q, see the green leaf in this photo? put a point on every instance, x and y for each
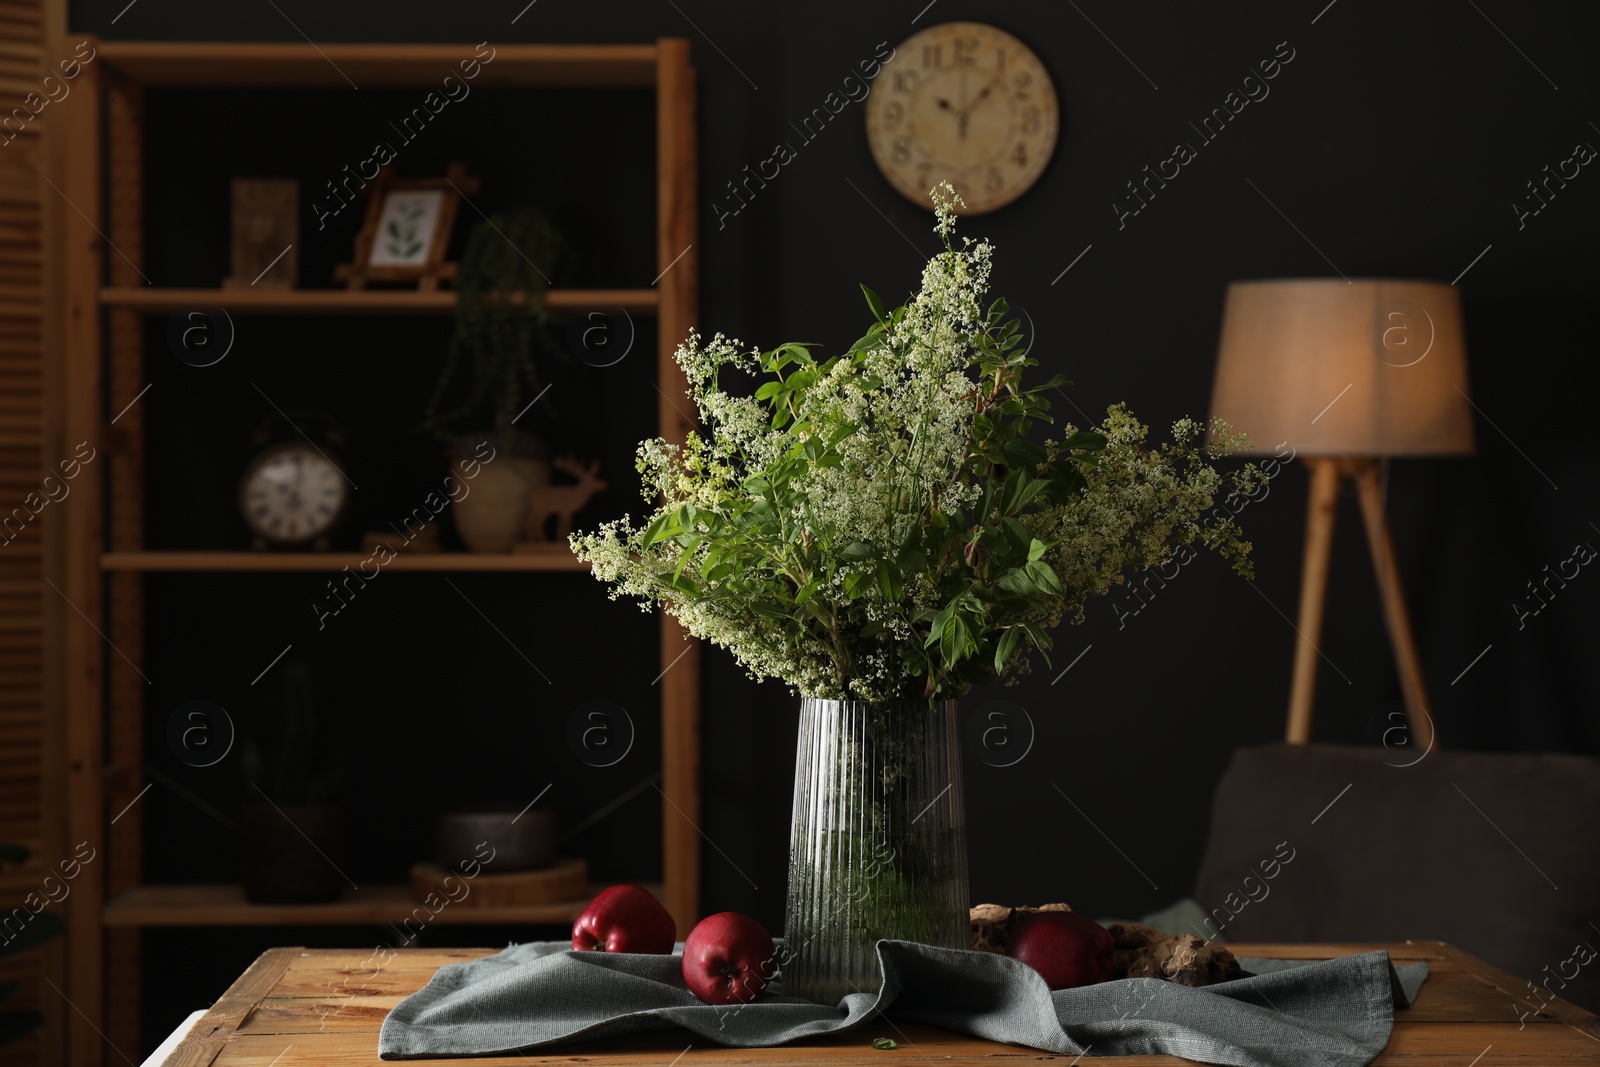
(1040, 640)
(889, 581)
(885, 1043)
(1036, 550)
(956, 641)
(1017, 534)
(689, 550)
(770, 610)
(873, 338)
(1092, 442)
(1016, 581)
(1044, 577)
(799, 351)
(875, 304)
(1008, 643)
(660, 528)
(770, 390)
(853, 582)
(1011, 492)
(684, 584)
(857, 552)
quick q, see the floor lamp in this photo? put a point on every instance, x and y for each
(1348, 374)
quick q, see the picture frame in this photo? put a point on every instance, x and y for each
(263, 233)
(407, 229)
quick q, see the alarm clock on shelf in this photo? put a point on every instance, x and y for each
(293, 493)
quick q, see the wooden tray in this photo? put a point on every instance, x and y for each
(566, 879)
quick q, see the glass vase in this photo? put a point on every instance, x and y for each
(878, 845)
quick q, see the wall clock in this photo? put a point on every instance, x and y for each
(966, 103)
(291, 494)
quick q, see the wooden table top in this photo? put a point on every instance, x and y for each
(299, 1007)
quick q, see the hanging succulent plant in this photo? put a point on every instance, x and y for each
(503, 329)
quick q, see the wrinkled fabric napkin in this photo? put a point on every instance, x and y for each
(1335, 1013)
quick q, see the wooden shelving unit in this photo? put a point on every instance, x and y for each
(105, 560)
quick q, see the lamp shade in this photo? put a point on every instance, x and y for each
(1369, 367)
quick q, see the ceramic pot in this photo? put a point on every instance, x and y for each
(491, 516)
(291, 853)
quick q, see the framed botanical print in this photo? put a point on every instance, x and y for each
(407, 230)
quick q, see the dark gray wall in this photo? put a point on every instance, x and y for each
(1396, 141)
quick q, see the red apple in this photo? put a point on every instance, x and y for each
(1065, 948)
(625, 918)
(728, 959)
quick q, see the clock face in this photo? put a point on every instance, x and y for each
(292, 495)
(965, 103)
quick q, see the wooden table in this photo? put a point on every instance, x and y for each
(322, 1008)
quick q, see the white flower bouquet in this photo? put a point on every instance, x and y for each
(880, 525)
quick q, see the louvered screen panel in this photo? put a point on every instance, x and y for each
(22, 35)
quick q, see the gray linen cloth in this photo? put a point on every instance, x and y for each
(1334, 1013)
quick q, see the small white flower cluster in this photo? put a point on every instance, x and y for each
(818, 529)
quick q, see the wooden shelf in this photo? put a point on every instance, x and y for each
(103, 174)
(159, 301)
(556, 558)
(225, 905)
(340, 66)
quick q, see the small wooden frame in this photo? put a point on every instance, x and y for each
(266, 222)
(407, 229)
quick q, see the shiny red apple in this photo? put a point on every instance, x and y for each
(728, 958)
(1065, 948)
(625, 918)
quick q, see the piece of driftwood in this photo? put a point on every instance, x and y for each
(1140, 952)
(562, 502)
(1145, 952)
(992, 923)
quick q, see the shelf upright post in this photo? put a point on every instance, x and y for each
(676, 259)
(82, 664)
(125, 443)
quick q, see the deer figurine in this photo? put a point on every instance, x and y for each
(562, 501)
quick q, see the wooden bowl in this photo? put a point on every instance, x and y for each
(500, 841)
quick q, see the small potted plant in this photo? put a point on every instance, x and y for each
(491, 374)
(291, 830)
(881, 531)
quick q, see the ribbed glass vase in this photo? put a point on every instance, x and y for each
(878, 847)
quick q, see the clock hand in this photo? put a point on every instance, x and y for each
(983, 94)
